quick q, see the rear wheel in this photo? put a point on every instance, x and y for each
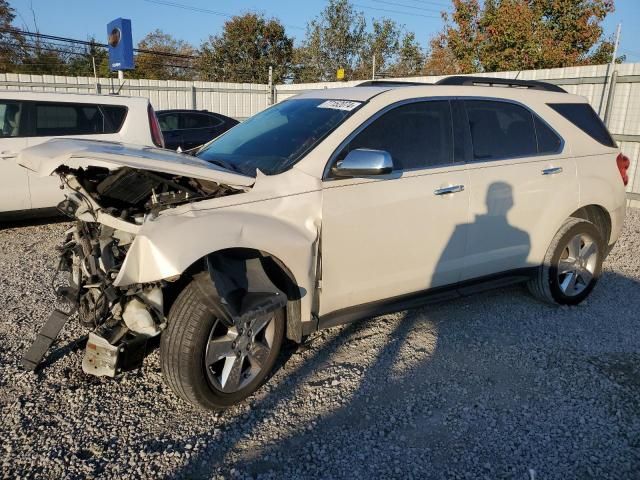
(572, 264)
(214, 365)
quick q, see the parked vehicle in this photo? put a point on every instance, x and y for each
(335, 205)
(187, 129)
(30, 118)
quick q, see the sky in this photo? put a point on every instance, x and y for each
(85, 18)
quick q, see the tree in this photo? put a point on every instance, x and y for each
(335, 39)
(383, 43)
(10, 42)
(247, 47)
(519, 34)
(81, 65)
(410, 58)
(172, 65)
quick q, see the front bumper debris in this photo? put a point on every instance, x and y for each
(44, 340)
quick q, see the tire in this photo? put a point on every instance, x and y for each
(184, 349)
(553, 280)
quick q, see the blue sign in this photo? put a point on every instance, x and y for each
(120, 44)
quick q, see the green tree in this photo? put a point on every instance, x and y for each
(247, 47)
(335, 39)
(81, 65)
(410, 58)
(383, 43)
(170, 66)
(10, 42)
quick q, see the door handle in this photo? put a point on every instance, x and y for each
(7, 154)
(451, 189)
(552, 170)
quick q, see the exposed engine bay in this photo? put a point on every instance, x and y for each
(121, 319)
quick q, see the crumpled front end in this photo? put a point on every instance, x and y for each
(109, 208)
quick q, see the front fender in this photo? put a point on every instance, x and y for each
(285, 227)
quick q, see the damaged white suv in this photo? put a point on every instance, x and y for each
(335, 205)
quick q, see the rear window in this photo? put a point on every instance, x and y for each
(59, 119)
(586, 119)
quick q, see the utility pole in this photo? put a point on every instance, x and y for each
(373, 68)
(95, 74)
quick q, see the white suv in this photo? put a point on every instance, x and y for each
(30, 118)
(329, 207)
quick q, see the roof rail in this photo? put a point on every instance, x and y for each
(390, 83)
(491, 81)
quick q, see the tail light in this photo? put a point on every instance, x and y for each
(156, 134)
(623, 165)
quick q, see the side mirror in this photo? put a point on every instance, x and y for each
(364, 162)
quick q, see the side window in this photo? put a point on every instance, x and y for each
(417, 135)
(500, 130)
(58, 119)
(116, 115)
(195, 120)
(10, 117)
(548, 141)
(168, 122)
(586, 119)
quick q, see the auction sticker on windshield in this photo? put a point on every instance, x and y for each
(340, 105)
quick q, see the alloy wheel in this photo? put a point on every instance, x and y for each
(235, 355)
(577, 264)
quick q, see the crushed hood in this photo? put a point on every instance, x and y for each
(46, 157)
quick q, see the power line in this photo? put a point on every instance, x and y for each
(398, 12)
(91, 44)
(203, 10)
(436, 4)
(404, 5)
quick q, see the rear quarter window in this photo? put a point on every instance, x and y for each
(586, 119)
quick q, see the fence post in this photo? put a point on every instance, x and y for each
(98, 88)
(194, 98)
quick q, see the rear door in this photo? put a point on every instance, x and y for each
(398, 234)
(14, 183)
(520, 176)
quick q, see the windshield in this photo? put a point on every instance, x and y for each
(275, 139)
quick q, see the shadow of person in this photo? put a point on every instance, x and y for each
(491, 243)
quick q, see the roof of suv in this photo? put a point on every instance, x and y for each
(457, 85)
(73, 97)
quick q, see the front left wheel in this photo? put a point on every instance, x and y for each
(214, 365)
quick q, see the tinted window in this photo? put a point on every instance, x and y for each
(548, 141)
(56, 119)
(417, 135)
(168, 122)
(278, 137)
(10, 117)
(586, 119)
(195, 120)
(500, 130)
(116, 115)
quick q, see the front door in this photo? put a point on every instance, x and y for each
(400, 233)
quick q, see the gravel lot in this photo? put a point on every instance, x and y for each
(490, 386)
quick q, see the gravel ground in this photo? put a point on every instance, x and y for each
(490, 386)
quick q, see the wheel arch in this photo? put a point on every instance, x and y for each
(274, 268)
(599, 216)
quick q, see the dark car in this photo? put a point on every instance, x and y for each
(190, 128)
